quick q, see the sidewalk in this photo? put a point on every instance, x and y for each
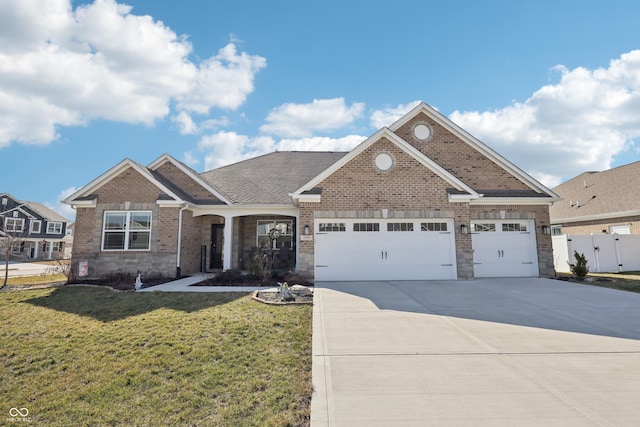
(185, 285)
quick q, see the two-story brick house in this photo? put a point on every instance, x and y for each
(422, 199)
(34, 231)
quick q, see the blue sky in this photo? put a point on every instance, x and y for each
(554, 86)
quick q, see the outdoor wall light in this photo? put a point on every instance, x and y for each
(463, 229)
(546, 229)
(306, 229)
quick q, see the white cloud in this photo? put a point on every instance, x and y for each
(62, 208)
(303, 120)
(387, 116)
(186, 125)
(189, 159)
(319, 143)
(61, 66)
(579, 124)
(224, 148)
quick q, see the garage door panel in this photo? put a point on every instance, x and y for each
(405, 254)
(501, 250)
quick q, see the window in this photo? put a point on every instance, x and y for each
(331, 226)
(17, 247)
(36, 226)
(620, 229)
(126, 230)
(366, 226)
(54, 228)
(433, 226)
(14, 225)
(556, 230)
(400, 226)
(514, 227)
(56, 246)
(274, 234)
(482, 228)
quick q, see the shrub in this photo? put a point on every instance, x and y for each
(579, 269)
(261, 263)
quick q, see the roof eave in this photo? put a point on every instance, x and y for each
(595, 217)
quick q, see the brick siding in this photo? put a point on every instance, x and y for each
(410, 186)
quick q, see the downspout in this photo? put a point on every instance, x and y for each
(178, 272)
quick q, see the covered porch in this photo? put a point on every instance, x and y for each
(230, 236)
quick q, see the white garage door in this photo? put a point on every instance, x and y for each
(504, 249)
(379, 249)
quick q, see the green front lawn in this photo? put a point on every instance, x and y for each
(89, 356)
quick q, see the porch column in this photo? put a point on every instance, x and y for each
(50, 250)
(228, 240)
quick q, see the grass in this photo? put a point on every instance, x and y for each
(625, 281)
(89, 356)
(42, 279)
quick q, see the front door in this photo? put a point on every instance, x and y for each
(217, 232)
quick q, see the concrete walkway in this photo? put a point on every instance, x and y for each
(489, 352)
(185, 285)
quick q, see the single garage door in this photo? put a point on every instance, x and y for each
(384, 249)
(504, 249)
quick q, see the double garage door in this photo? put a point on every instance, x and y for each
(359, 249)
(419, 249)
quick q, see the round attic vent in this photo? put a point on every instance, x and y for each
(422, 132)
(383, 161)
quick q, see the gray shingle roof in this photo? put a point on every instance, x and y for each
(598, 193)
(45, 212)
(269, 179)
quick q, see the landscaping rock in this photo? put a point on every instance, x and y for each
(300, 290)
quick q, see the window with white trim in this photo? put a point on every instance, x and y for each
(274, 234)
(325, 227)
(399, 226)
(516, 226)
(433, 226)
(14, 225)
(55, 246)
(36, 226)
(17, 247)
(483, 228)
(366, 226)
(54, 228)
(126, 231)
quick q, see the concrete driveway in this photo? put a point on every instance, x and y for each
(489, 352)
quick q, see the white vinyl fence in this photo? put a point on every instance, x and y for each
(604, 252)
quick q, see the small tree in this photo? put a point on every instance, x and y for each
(8, 241)
(579, 268)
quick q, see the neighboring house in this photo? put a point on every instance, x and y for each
(606, 202)
(422, 199)
(35, 231)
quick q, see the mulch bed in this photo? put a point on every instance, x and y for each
(274, 298)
